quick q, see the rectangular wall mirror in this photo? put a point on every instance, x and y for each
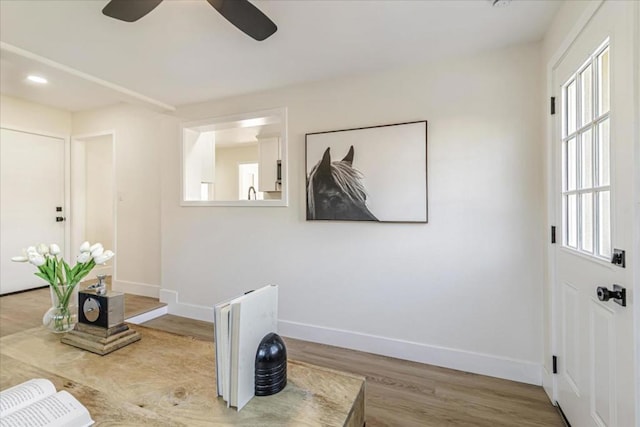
(238, 160)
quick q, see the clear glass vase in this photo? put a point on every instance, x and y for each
(63, 314)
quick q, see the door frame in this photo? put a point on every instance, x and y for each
(549, 380)
(76, 226)
(67, 178)
(635, 249)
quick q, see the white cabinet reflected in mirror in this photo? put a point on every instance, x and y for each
(238, 160)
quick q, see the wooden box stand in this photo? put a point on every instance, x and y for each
(100, 340)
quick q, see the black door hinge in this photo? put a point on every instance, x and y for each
(553, 234)
(553, 105)
(554, 362)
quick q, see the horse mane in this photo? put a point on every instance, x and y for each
(347, 179)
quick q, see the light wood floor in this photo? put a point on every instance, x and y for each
(399, 393)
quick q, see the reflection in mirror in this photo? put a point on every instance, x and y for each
(236, 160)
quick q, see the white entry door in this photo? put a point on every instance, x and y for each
(593, 86)
(32, 189)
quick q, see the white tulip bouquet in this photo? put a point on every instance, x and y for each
(63, 279)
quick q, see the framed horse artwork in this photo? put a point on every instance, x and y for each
(376, 173)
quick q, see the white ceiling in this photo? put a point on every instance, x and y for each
(184, 51)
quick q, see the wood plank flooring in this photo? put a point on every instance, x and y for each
(399, 393)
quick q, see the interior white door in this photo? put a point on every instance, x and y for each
(31, 189)
(594, 178)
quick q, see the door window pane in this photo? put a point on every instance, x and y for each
(572, 209)
(586, 160)
(586, 222)
(604, 223)
(572, 166)
(564, 166)
(571, 108)
(603, 82)
(586, 96)
(603, 153)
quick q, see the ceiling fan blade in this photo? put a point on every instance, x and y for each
(246, 17)
(129, 10)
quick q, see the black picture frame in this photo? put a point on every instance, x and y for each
(374, 173)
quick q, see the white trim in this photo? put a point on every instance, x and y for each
(149, 315)
(478, 363)
(191, 311)
(236, 203)
(135, 288)
(66, 209)
(34, 131)
(134, 96)
(635, 260)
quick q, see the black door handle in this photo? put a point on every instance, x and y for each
(618, 294)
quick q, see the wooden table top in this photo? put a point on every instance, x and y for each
(169, 380)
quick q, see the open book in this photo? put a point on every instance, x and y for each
(36, 403)
(239, 326)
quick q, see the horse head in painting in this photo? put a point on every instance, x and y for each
(335, 190)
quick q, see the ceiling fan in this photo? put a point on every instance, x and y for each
(245, 16)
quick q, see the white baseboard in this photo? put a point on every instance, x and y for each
(192, 311)
(135, 288)
(478, 363)
(484, 364)
(149, 315)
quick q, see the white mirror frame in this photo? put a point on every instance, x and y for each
(284, 199)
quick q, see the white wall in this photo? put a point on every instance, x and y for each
(139, 138)
(23, 115)
(463, 290)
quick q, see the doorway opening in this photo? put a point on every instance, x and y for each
(93, 192)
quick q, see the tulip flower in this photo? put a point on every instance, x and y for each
(20, 259)
(42, 249)
(84, 257)
(85, 247)
(97, 252)
(37, 259)
(31, 249)
(54, 249)
(95, 246)
(106, 256)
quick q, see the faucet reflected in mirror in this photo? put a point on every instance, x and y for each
(234, 160)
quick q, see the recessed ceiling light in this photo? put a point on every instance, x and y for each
(37, 79)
